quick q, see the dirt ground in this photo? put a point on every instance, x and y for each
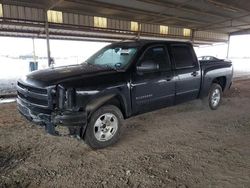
(183, 146)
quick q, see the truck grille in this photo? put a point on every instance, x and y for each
(34, 95)
(33, 89)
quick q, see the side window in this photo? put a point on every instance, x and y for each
(183, 56)
(159, 55)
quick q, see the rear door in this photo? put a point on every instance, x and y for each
(187, 68)
(155, 89)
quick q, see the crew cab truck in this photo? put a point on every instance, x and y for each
(121, 80)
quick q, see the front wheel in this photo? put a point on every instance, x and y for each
(214, 96)
(104, 127)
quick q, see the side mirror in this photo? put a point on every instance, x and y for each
(147, 67)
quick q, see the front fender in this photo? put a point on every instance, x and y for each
(97, 102)
(94, 99)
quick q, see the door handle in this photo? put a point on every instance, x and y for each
(169, 78)
(195, 73)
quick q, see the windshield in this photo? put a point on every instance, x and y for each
(114, 57)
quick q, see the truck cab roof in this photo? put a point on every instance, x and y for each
(141, 43)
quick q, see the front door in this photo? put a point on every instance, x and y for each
(153, 90)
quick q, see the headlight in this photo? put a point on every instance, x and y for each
(70, 98)
(66, 97)
(61, 97)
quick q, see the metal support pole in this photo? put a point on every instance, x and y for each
(192, 36)
(34, 50)
(228, 46)
(47, 38)
(139, 31)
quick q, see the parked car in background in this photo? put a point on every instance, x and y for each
(208, 58)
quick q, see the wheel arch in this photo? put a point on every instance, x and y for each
(222, 81)
(108, 99)
(208, 82)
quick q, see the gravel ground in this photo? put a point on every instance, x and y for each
(183, 146)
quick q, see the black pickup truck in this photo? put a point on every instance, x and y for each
(121, 80)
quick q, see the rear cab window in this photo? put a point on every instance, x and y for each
(183, 56)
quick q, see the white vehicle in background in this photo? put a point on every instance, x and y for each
(208, 58)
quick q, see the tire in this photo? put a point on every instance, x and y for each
(104, 128)
(214, 96)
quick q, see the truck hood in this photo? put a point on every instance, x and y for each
(52, 76)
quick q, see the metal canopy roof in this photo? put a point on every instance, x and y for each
(220, 16)
(217, 15)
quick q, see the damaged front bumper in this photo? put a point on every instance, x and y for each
(74, 120)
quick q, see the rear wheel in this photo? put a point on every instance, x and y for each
(214, 96)
(104, 127)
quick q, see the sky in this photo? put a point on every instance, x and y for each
(59, 48)
(239, 47)
(72, 52)
(216, 50)
(64, 52)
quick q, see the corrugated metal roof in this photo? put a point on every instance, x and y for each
(212, 20)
